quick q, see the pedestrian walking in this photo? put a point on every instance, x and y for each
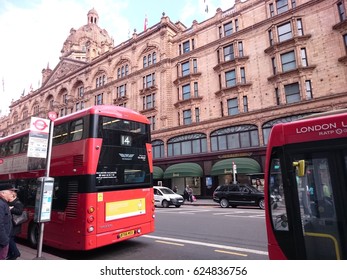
(5, 220)
(16, 208)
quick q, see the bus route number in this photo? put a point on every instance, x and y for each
(126, 140)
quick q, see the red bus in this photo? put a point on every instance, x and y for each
(102, 167)
(306, 188)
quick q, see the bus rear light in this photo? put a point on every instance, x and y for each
(90, 219)
(138, 231)
(90, 210)
(90, 229)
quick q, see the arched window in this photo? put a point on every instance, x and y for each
(234, 137)
(187, 144)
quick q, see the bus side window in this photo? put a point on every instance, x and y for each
(60, 134)
(76, 130)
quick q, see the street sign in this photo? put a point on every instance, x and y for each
(52, 116)
(38, 138)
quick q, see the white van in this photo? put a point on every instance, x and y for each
(165, 197)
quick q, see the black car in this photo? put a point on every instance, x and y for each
(238, 194)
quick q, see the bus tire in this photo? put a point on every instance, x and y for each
(261, 203)
(33, 235)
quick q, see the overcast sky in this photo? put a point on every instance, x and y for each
(33, 31)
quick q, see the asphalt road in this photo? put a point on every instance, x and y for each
(191, 233)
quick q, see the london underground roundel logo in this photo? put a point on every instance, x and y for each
(40, 125)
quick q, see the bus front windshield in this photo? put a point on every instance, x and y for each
(123, 159)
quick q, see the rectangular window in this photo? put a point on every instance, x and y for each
(229, 52)
(341, 10)
(292, 92)
(240, 44)
(186, 47)
(197, 115)
(243, 75)
(80, 92)
(293, 4)
(233, 107)
(345, 41)
(282, 6)
(303, 57)
(195, 66)
(236, 25)
(288, 61)
(271, 9)
(99, 99)
(65, 98)
(149, 101)
(245, 104)
(185, 69)
(230, 78)
(196, 90)
(149, 81)
(187, 117)
(299, 27)
(186, 92)
(121, 91)
(228, 29)
(308, 89)
(284, 32)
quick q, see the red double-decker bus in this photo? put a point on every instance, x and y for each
(102, 168)
(306, 188)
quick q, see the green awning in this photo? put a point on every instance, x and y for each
(186, 169)
(157, 173)
(243, 166)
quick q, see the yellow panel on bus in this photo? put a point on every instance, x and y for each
(125, 208)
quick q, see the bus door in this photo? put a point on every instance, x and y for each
(321, 190)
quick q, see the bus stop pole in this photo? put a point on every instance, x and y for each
(48, 166)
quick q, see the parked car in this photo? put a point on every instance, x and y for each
(238, 194)
(165, 197)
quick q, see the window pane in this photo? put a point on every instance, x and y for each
(245, 140)
(233, 141)
(284, 32)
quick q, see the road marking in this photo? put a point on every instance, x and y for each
(224, 247)
(250, 216)
(170, 243)
(231, 253)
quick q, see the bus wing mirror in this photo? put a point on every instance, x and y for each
(300, 167)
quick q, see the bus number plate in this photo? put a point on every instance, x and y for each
(127, 233)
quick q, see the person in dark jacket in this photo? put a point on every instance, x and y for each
(5, 220)
(16, 207)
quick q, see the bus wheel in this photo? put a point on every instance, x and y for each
(165, 204)
(224, 203)
(33, 235)
(261, 204)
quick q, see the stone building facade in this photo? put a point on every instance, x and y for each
(212, 91)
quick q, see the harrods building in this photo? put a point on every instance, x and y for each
(212, 91)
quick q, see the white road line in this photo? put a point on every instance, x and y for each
(248, 216)
(244, 250)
